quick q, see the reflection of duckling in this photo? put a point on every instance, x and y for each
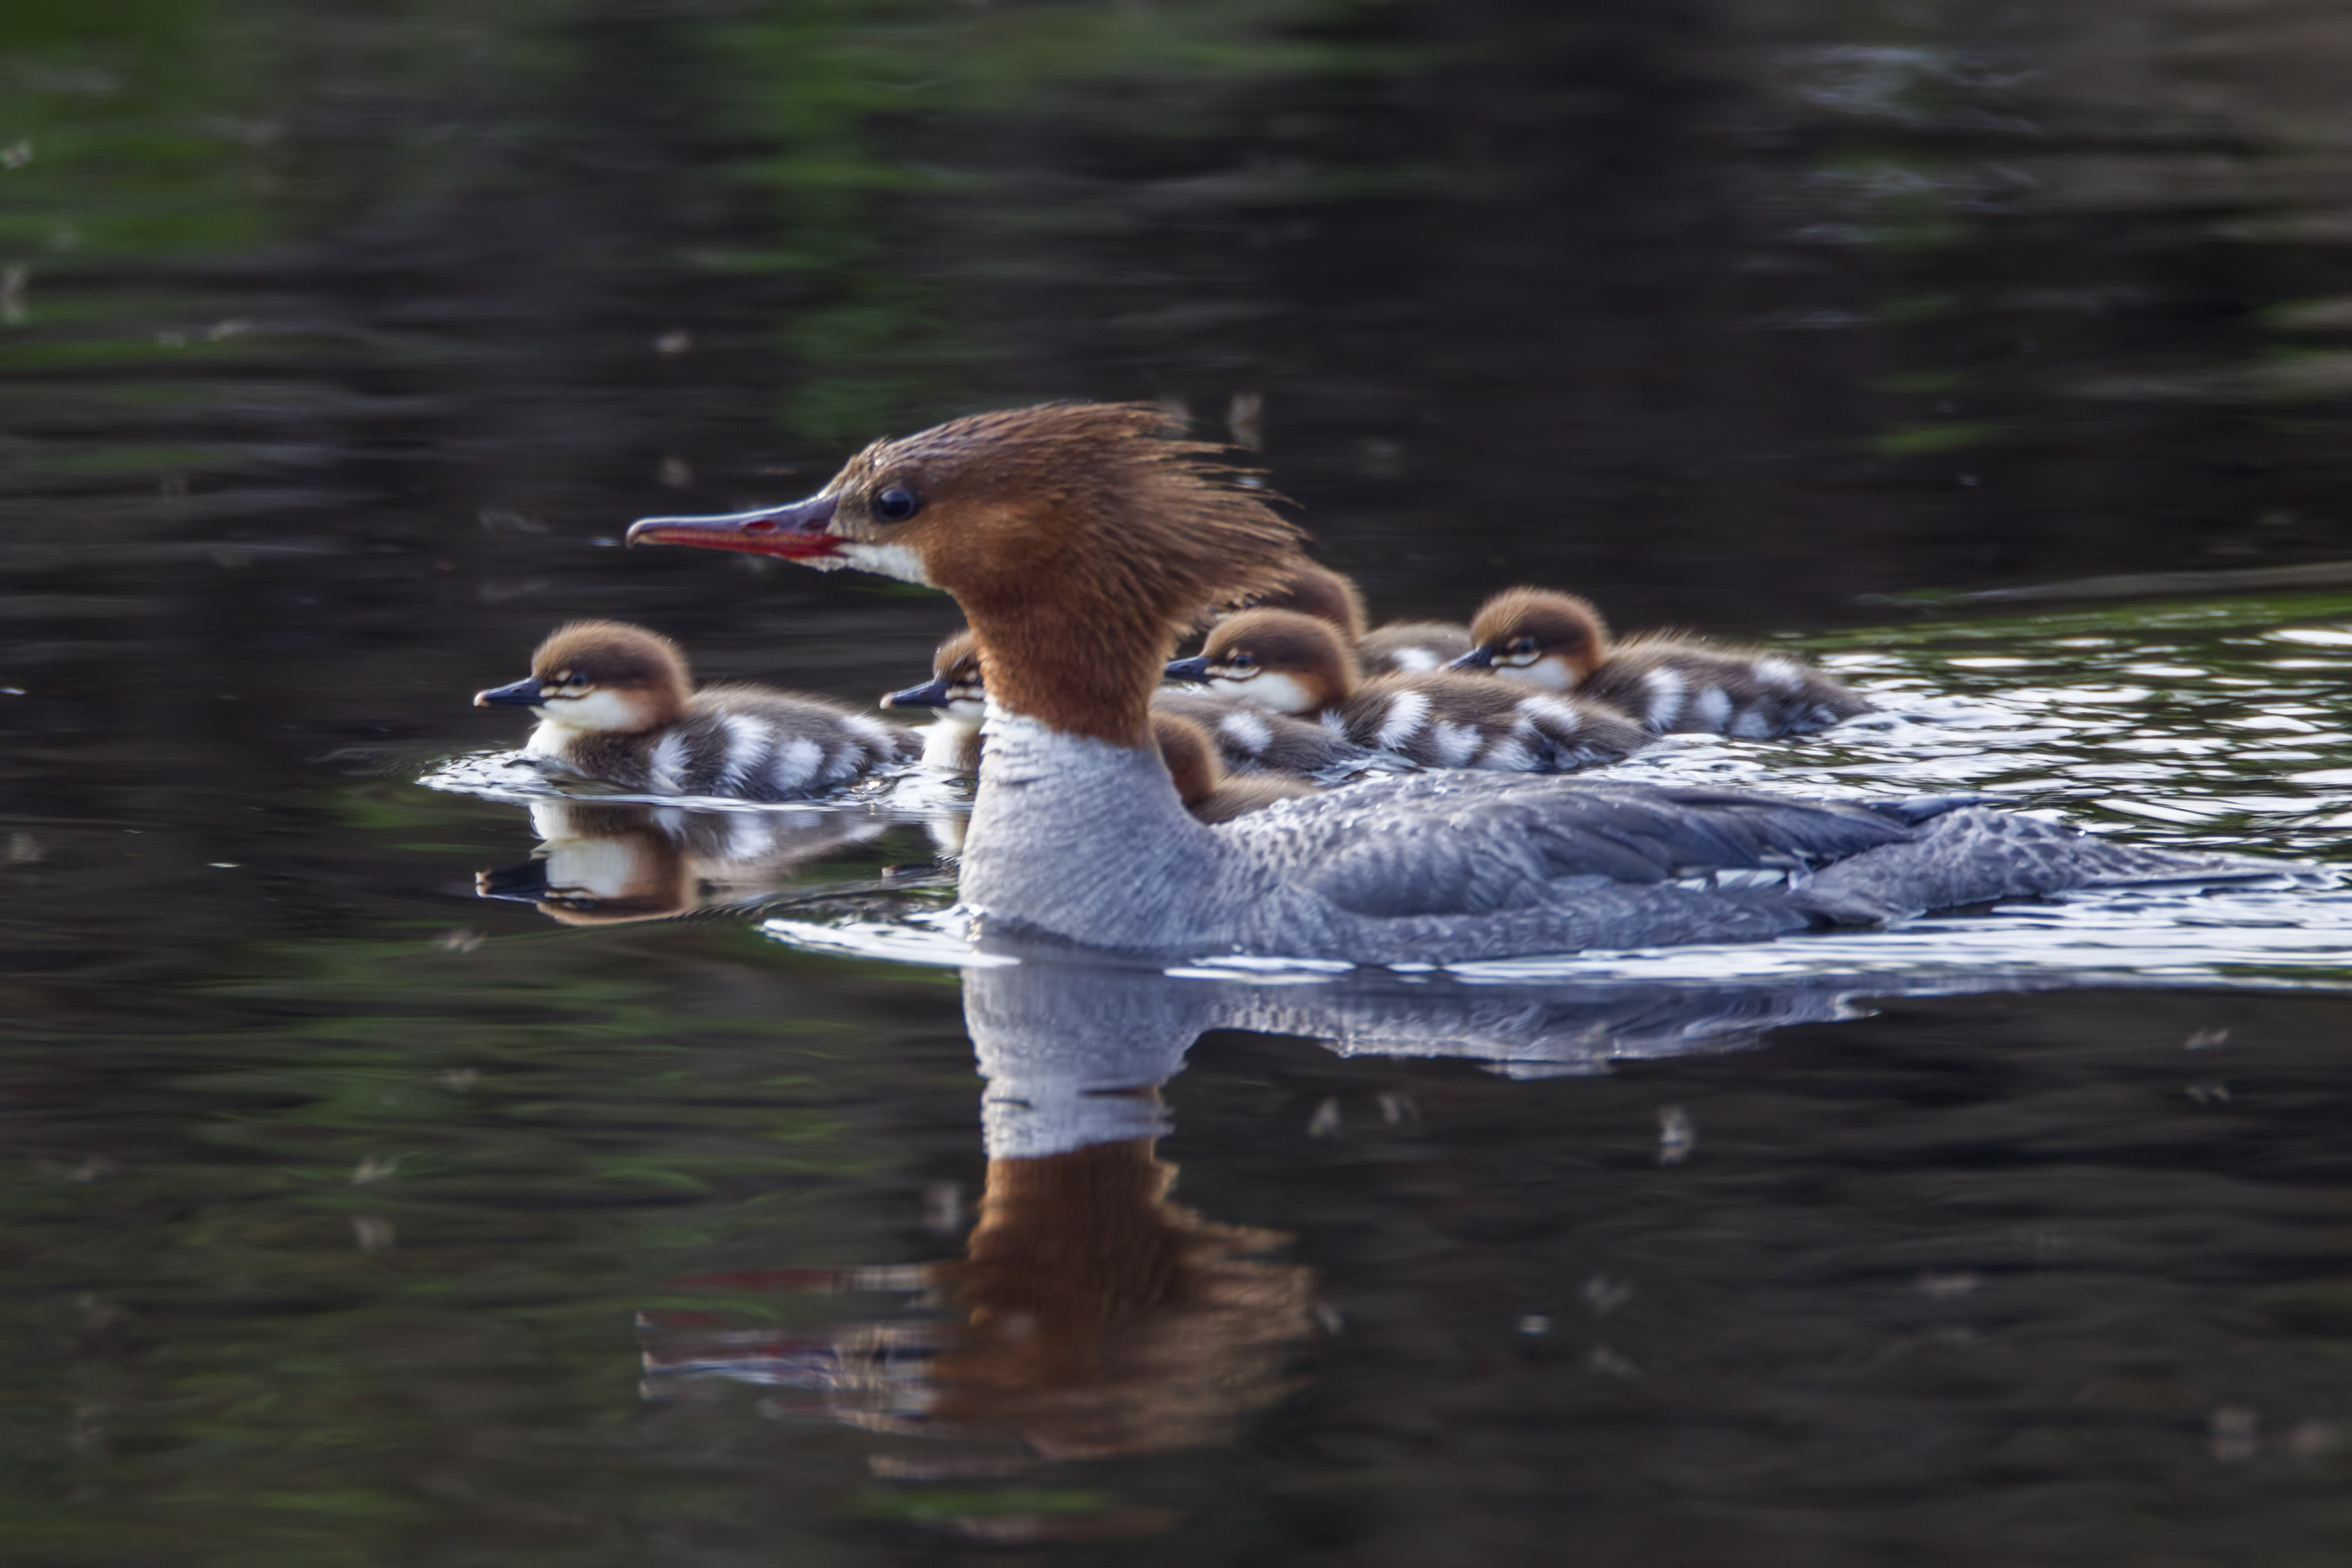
(1295, 664)
(1249, 740)
(1399, 647)
(604, 864)
(1200, 781)
(1558, 642)
(615, 704)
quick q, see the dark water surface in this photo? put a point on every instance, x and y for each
(352, 1218)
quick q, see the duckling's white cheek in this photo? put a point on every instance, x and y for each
(600, 711)
(1550, 672)
(1279, 692)
(886, 561)
(964, 712)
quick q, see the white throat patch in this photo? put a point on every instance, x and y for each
(1550, 672)
(885, 560)
(1269, 689)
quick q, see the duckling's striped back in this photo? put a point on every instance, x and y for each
(1671, 685)
(747, 744)
(1472, 721)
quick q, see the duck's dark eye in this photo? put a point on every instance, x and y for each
(1242, 661)
(896, 504)
(1521, 645)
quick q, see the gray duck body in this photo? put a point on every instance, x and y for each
(1084, 841)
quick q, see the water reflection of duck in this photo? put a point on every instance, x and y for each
(1289, 663)
(1078, 543)
(617, 704)
(604, 864)
(1247, 740)
(1395, 648)
(1090, 1316)
(1558, 642)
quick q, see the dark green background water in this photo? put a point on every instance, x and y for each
(340, 343)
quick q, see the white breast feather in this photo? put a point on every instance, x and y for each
(1413, 660)
(1751, 724)
(1778, 675)
(1560, 718)
(797, 762)
(1408, 711)
(1666, 688)
(1713, 707)
(1453, 745)
(1245, 732)
(666, 766)
(743, 740)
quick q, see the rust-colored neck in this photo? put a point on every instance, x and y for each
(1081, 673)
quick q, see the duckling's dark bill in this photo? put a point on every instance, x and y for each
(1476, 659)
(931, 694)
(797, 532)
(524, 693)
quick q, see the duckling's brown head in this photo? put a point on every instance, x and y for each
(1078, 537)
(955, 686)
(1191, 756)
(605, 676)
(1548, 640)
(1281, 659)
(1314, 589)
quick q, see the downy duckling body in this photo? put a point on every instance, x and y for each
(1247, 740)
(1291, 663)
(1201, 781)
(1079, 541)
(1558, 642)
(617, 704)
(1399, 647)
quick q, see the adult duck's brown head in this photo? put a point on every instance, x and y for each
(1078, 537)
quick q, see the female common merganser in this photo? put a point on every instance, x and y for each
(615, 704)
(1399, 647)
(1558, 641)
(1200, 780)
(1292, 663)
(1247, 740)
(1079, 542)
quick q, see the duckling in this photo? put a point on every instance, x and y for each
(951, 741)
(1201, 781)
(1247, 740)
(617, 704)
(1399, 647)
(1670, 684)
(1295, 664)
